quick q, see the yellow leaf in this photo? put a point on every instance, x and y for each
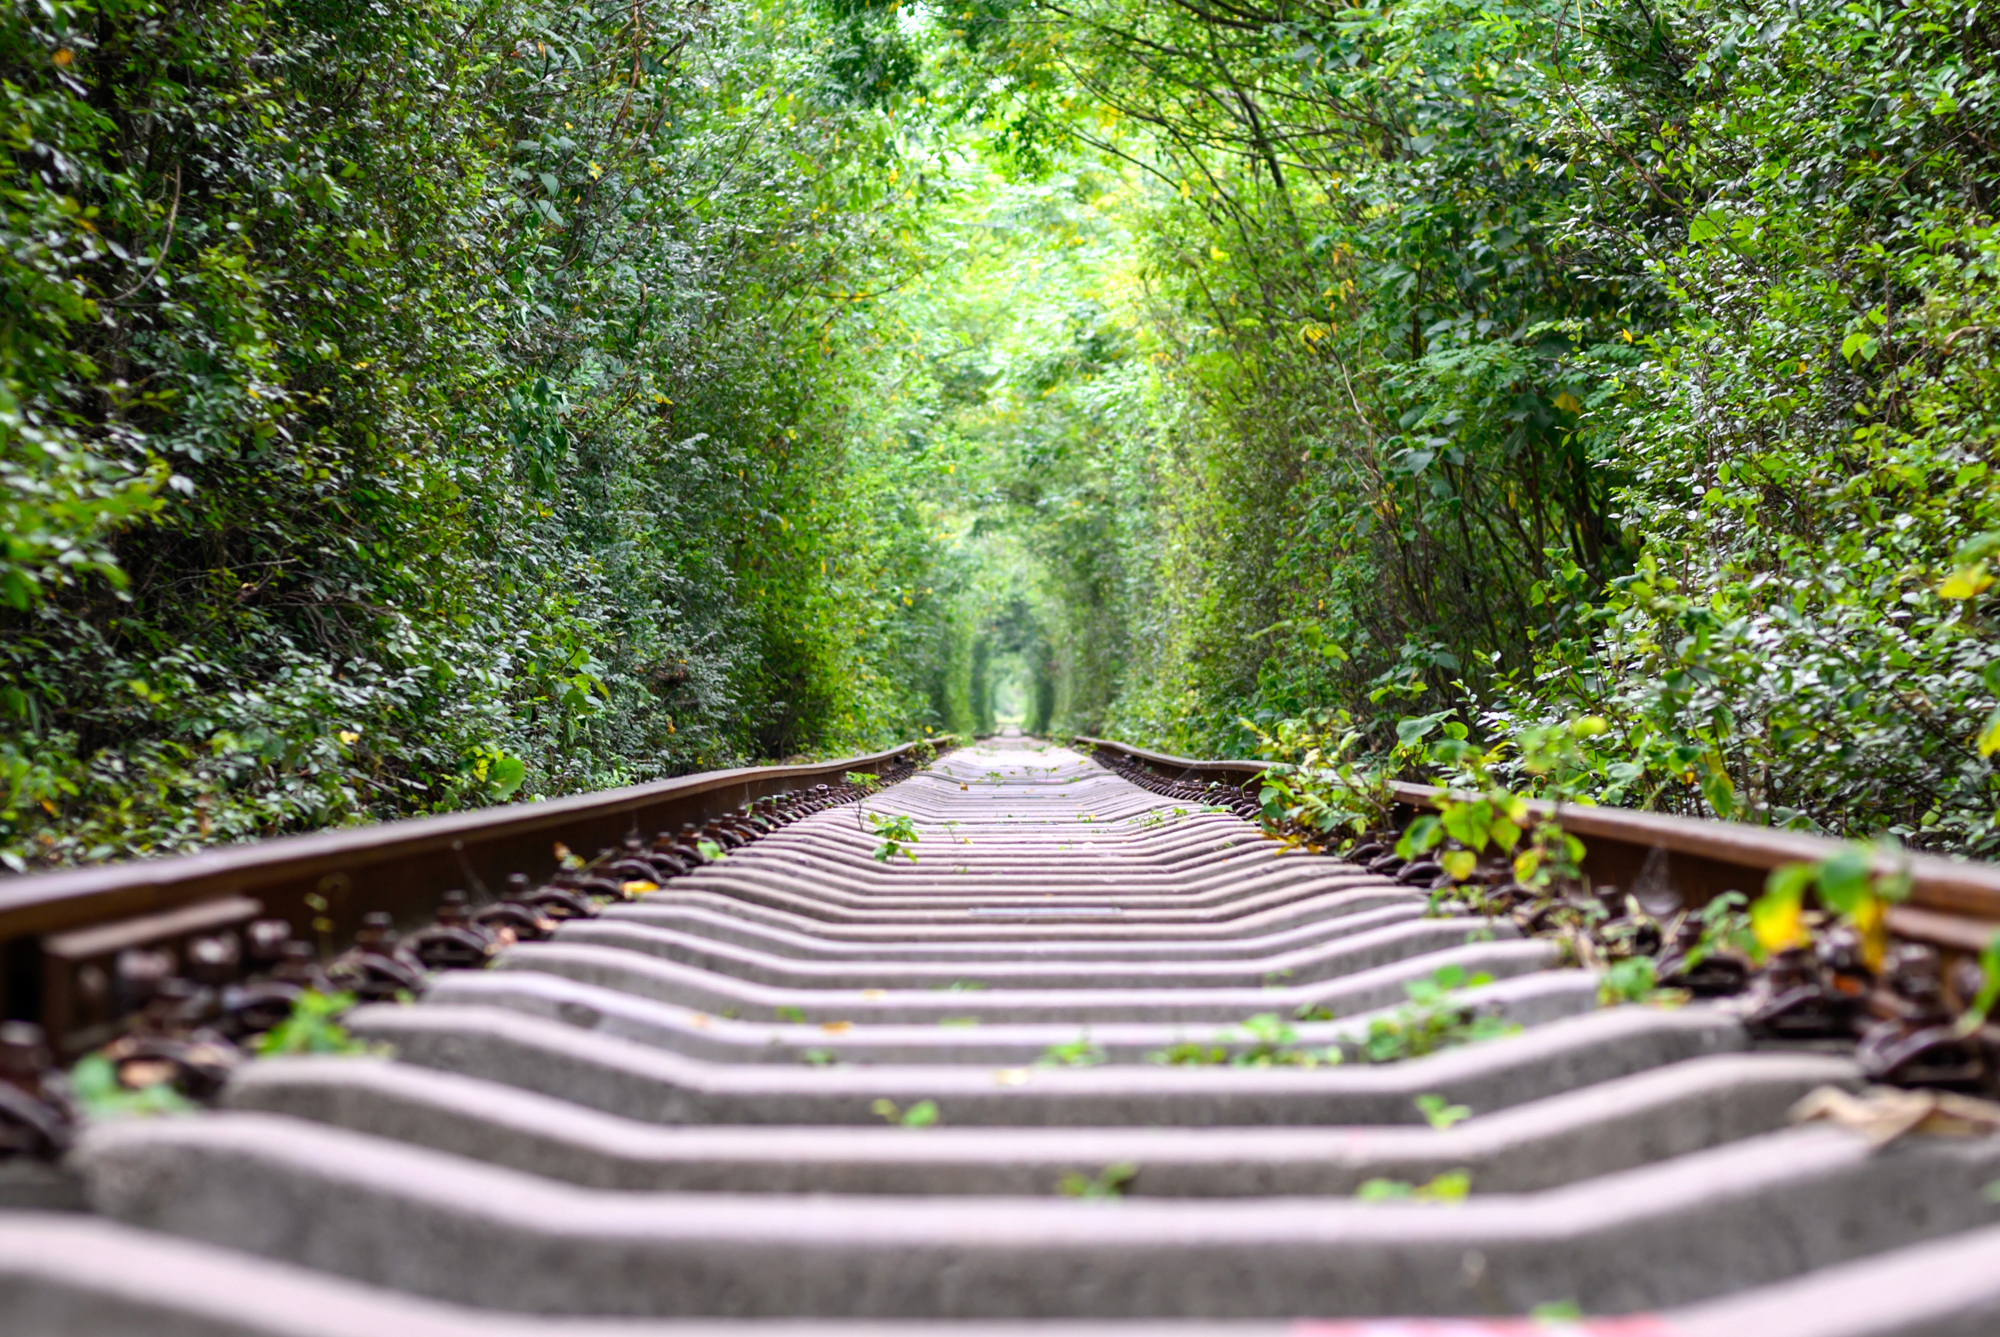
(1568, 403)
(638, 887)
(1871, 922)
(1459, 863)
(1989, 736)
(1778, 922)
(1965, 582)
(1217, 253)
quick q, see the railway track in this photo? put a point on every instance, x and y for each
(1101, 1057)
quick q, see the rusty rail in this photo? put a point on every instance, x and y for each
(53, 925)
(1954, 903)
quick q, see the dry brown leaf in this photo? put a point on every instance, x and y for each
(1884, 1113)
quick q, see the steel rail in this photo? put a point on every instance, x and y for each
(1953, 903)
(400, 867)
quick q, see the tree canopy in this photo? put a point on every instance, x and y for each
(406, 406)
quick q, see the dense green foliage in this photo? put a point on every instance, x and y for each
(410, 406)
(1534, 363)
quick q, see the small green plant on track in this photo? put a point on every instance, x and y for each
(1633, 980)
(1982, 1003)
(1725, 927)
(923, 1114)
(94, 1079)
(898, 833)
(819, 1058)
(1316, 782)
(867, 783)
(1557, 1311)
(1190, 1054)
(1110, 1182)
(1451, 1186)
(1082, 1052)
(314, 1028)
(1434, 1019)
(1270, 1044)
(1477, 813)
(710, 851)
(958, 1022)
(1439, 1112)
(795, 1015)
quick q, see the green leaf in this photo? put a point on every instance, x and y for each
(1412, 728)
(1467, 823)
(1632, 980)
(1439, 1112)
(505, 775)
(1981, 1006)
(1720, 791)
(1420, 837)
(1845, 881)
